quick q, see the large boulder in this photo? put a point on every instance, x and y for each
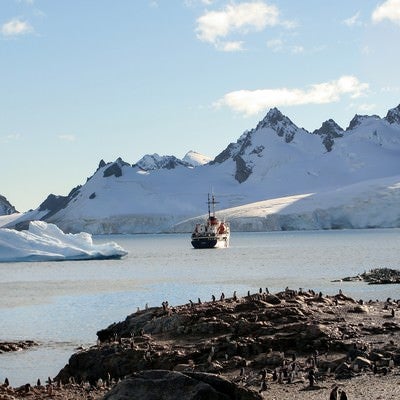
(172, 385)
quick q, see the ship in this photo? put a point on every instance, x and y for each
(213, 233)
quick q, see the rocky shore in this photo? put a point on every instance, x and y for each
(6, 347)
(295, 344)
(376, 276)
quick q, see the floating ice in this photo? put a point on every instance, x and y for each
(46, 242)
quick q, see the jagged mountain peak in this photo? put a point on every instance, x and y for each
(393, 115)
(274, 119)
(195, 159)
(5, 206)
(115, 168)
(280, 123)
(329, 127)
(274, 115)
(151, 162)
(119, 161)
(329, 131)
(264, 163)
(359, 119)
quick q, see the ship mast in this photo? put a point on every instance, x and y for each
(213, 203)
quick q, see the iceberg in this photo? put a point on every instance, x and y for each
(47, 242)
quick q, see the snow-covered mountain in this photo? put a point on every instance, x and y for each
(154, 162)
(276, 176)
(195, 159)
(5, 207)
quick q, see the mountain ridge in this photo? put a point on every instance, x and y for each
(274, 160)
(6, 208)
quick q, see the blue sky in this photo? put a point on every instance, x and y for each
(85, 80)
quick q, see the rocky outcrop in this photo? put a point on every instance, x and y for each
(243, 171)
(7, 347)
(393, 115)
(280, 123)
(376, 276)
(329, 131)
(115, 168)
(151, 162)
(171, 385)
(382, 276)
(54, 204)
(5, 206)
(359, 119)
(256, 331)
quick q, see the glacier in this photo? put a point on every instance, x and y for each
(364, 205)
(46, 242)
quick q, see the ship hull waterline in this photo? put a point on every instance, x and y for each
(210, 242)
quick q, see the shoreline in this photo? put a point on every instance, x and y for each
(354, 344)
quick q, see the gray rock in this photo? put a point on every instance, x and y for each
(5, 207)
(171, 385)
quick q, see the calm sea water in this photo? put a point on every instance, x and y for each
(61, 305)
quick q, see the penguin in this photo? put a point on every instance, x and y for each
(334, 394)
(264, 387)
(274, 376)
(343, 395)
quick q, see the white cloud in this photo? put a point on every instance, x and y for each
(353, 21)
(214, 26)
(390, 10)
(231, 46)
(16, 27)
(250, 102)
(278, 45)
